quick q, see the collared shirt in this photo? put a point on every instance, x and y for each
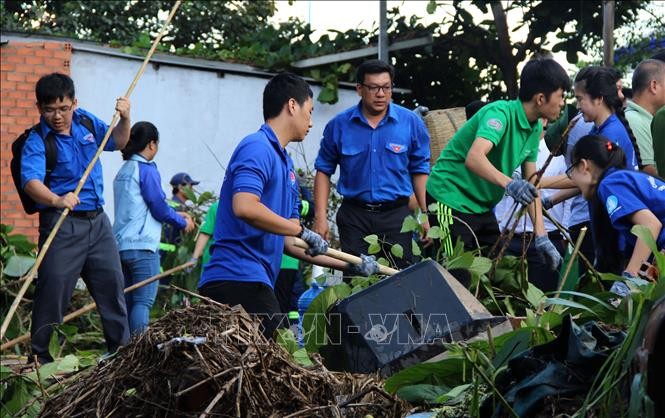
(515, 139)
(639, 120)
(579, 207)
(559, 212)
(208, 228)
(140, 206)
(375, 164)
(614, 130)
(624, 192)
(241, 252)
(74, 154)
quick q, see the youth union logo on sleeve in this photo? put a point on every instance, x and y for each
(89, 138)
(396, 147)
(292, 177)
(495, 124)
(612, 204)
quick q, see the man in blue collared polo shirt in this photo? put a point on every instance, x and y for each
(84, 245)
(259, 207)
(382, 150)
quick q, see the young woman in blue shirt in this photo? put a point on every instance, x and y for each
(140, 210)
(619, 198)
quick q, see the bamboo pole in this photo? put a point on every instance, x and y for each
(89, 307)
(342, 256)
(84, 178)
(576, 250)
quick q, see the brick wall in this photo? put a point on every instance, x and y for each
(22, 63)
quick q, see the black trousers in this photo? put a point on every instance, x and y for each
(256, 298)
(540, 273)
(82, 248)
(284, 289)
(355, 223)
(455, 224)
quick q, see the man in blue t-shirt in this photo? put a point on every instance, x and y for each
(258, 208)
(84, 245)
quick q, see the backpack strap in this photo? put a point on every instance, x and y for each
(87, 124)
(50, 152)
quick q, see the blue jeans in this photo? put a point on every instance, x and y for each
(138, 265)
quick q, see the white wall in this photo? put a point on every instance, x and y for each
(190, 107)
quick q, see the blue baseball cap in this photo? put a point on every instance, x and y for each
(183, 178)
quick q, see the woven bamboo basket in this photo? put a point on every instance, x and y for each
(442, 125)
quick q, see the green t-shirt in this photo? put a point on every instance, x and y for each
(289, 263)
(208, 228)
(658, 137)
(639, 120)
(515, 140)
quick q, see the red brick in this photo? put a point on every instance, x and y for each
(13, 59)
(54, 45)
(15, 77)
(24, 68)
(54, 62)
(7, 66)
(34, 60)
(25, 103)
(16, 112)
(25, 87)
(6, 102)
(43, 53)
(27, 120)
(65, 55)
(26, 52)
(8, 85)
(32, 78)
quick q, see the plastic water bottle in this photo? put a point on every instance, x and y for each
(303, 303)
(294, 324)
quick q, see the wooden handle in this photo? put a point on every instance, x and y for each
(342, 256)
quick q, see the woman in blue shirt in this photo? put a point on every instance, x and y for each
(140, 210)
(598, 100)
(619, 198)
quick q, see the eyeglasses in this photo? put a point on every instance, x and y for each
(50, 111)
(375, 89)
(569, 170)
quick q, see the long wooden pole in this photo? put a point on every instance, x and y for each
(608, 33)
(89, 307)
(342, 256)
(65, 212)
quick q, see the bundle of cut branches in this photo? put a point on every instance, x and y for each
(212, 360)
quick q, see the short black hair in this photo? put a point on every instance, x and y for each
(141, 134)
(473, 108)
(542, 75)
(646, 71)
(54, 86)
(280, 89)
(374, 67)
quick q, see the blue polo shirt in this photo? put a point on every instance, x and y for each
(614, 130)
(624, 192)
(376, 164)
(74, 154)
(240, 252)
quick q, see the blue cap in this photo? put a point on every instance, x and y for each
(182, 178)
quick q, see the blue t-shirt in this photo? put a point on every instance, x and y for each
(240, 252)
(74, 154)
(614, 130)
(376, 164)
(624, 192)
(579, 208)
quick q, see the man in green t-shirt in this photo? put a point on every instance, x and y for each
(473, 171)
(203, 242)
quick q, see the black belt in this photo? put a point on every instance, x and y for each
(378, 207)
(83, 214)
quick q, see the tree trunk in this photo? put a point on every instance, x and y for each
(506, 61)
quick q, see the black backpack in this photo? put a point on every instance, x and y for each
(51, 152)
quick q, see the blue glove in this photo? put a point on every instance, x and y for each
(547, 202)
(522, 191)
(549, 251)
(317, 245)
(368, 266)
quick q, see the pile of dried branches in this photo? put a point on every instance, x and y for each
(236, 372)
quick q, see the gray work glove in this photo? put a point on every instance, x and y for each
(549, 251)
(620, 289)
(522, 191)
(317, 245)
(421, 111)
(368, 266)
(191, 268)
(547, 202)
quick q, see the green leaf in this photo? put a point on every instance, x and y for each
(18, 265)
(421, 393)
(371, 239)
(314, 322)
(445, 372)
(302, 358)
(54, 345)
(286, 339)
(20, 395)
(434, 232)
(453, 393)
(5, 372)
(480, 265)
(568, 303)
(431, 7)
(397, 250)
(586, 296)
(409, 224)
(383, 261)
(373, 249)
(415, 248)
(327, 95)
(534, 296)
(422, 218)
